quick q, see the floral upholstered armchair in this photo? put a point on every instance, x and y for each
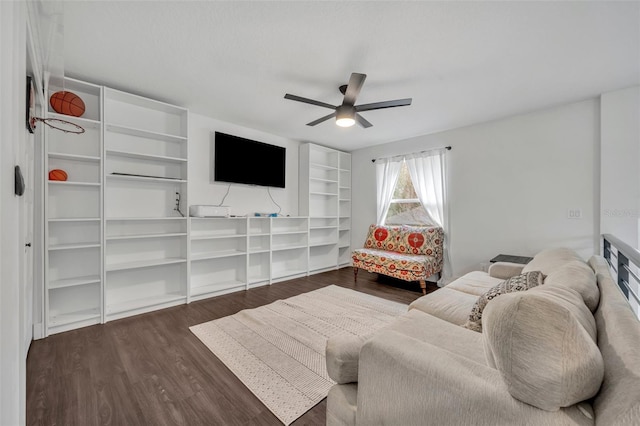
(410, 253)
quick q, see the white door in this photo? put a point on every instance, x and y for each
(26, 237)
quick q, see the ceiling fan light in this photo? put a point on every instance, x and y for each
(345, 121)
(345, 116)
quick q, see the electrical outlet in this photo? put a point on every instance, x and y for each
(574, 214)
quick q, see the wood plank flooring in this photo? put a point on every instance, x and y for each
(151, 370)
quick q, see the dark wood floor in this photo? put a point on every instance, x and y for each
(151, 370)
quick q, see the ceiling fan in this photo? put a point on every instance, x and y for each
(348, 113)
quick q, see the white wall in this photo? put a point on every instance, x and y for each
(620, 159)
(242, 199)
(510, 183)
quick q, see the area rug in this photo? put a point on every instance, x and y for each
(278, 350)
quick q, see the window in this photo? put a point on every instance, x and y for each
(405, 207)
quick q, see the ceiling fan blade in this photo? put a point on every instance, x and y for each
(353, 88)
(384, 104)
(361, 121)
(320, 120)
(308, 101)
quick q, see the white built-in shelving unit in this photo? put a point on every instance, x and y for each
(145, 172)
(325, 197)
(73, 216)
(344, 210)
(231, 254)
(115, 244)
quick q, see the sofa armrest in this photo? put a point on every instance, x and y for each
(342, 357)
(505, 270)
(404, 381)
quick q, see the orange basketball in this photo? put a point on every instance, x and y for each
(67, 103)
(57, 174)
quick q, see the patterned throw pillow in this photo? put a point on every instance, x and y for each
(518, 283)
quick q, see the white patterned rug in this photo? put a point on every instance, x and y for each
(278, 350)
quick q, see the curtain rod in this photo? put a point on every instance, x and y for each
(448, 148)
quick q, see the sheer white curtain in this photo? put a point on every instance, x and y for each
(387, 171)
(427, 171)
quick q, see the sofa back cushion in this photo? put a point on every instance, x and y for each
(418, 240)
(548, 260)
(578, 276)
(383, 238)
(422, 240)
(543, 343)
(618, 402)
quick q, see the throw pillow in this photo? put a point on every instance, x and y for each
(520, 282)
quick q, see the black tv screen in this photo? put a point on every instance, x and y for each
(240, 160)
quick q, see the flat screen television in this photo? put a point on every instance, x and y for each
(240, 160)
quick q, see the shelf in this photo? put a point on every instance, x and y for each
(345, 200)
(143, 264)
(345, 170)
(323, 243)
(74, 246)
(323, 166)
(323, 180)
(142, 236)
(139, 156)
(73, 282)
(259, 251)
(123, 219)
(84, 122)
(74, 219)
(70, 183)
(204, 236)
(283, 248)
(262, 234)
(322, 227)
(217, 254)
(143, 303)
(290, 273)
(74, 157)
(288, 232)
(324, 194)
(144, 178)
(73, 317)
(215, 287)
(344, 229)
(132, 131)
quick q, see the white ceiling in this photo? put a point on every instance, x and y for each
(461, 62)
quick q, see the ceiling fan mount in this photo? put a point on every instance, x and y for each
(348, 113)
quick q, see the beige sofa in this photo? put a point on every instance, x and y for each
(564, 353)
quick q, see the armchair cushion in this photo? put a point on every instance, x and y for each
(543, 343)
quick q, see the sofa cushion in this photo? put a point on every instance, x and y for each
(342, 405)
(578, 276)
(475, 282)
(505, 270)
(618, 401)
(342, 357)
(520, 282)
(543, 345)
(450, 305)
(406, 267)
(548, 260)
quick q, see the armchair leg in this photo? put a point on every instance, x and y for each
(423, 286)
(355, 274)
